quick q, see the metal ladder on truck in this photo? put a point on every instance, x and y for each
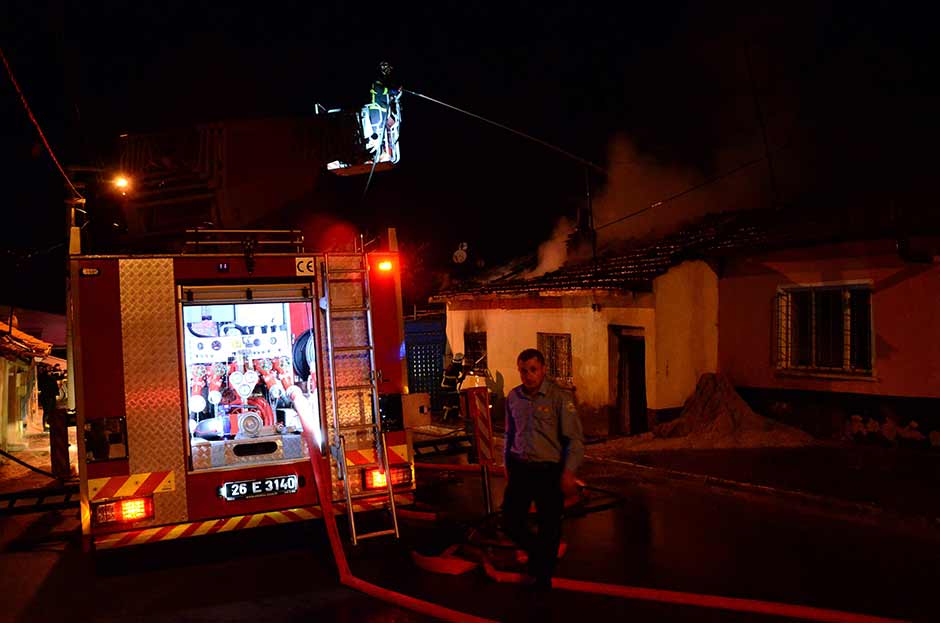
(353, 389)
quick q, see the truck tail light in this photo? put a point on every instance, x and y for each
(375, 478)
(124, 511)
(384, 264)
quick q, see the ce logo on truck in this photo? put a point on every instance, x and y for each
(306, 266)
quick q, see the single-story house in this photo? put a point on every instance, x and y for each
(794, 309)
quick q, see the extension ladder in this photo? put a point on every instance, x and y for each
(353, 384)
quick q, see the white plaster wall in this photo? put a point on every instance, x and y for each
(686, 300)
(509, 331)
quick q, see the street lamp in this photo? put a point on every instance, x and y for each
(122, 183)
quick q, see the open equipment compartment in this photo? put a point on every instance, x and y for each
(249, 360)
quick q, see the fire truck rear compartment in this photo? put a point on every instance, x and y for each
(219, 377)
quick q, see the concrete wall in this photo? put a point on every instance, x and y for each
(686, 300)
(905, 312)
(511, 330)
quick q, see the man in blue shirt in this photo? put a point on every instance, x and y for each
(544, 447)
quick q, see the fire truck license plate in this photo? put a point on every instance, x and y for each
(260, 487)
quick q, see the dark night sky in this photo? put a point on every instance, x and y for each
(848, 92)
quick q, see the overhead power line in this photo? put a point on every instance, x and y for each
(661, 202)
(32, 118)
(554, 148)
(596, 167)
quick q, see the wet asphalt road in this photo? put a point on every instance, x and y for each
(686, 537)
(674, 536)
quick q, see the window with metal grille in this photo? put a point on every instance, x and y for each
(557, 350)
(474, 345)
(825, 329)
(424, 342)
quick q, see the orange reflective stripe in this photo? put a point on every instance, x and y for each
(104, 488)
(360, 457)
(228, 524)
(398, 454)
(144, 483)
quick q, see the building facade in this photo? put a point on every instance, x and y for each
(632, 356)
(826, 327)
(828, 334)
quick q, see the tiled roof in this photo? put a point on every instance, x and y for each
(15, 343)
(714, 236)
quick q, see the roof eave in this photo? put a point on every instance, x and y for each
(485, 295)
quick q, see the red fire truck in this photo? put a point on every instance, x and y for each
(204, 377)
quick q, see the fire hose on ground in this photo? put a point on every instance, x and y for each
(27, 465)
(321, 473)
(449, 563)
(322, 476)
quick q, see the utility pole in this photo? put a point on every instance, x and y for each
(589, 217)
(58, 423)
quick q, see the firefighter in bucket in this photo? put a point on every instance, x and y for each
(381, 116)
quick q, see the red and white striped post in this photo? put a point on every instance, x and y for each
(477, 403)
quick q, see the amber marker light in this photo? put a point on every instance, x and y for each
(135, 510)
(123, 511)
(375, 478)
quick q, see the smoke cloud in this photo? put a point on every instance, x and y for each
(554, 251)
(637, 182)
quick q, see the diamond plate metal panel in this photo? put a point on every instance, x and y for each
(355, 482)
(346, 293)
(222, 453)
(345, 261)
(360, 440)
(152, 378)
(350, 330)
(352, 369)
(354, 406)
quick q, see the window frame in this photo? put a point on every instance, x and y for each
(787, 342)
(550, 363)
(472, 354)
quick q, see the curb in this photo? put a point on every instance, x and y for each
(840, 505)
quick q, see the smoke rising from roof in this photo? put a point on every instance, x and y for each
(637, 181)
(553, 252)
(639, 184)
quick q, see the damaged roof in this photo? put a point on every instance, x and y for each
(16, 344)
(714, 236)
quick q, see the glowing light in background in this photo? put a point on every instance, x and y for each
(122, 183)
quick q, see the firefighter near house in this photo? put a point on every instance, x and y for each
(237, 384)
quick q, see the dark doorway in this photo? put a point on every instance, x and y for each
(628, 382)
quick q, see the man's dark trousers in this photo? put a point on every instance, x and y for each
(541, 483)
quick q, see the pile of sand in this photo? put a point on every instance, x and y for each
(715, 416)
